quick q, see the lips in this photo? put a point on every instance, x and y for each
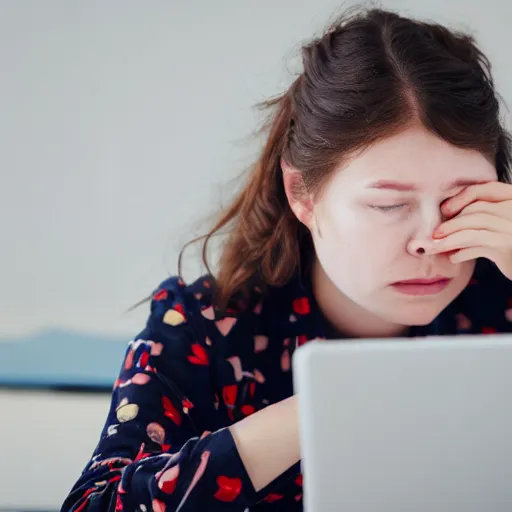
(424, 281)
(422, 286)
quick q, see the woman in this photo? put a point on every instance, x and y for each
(379, 207)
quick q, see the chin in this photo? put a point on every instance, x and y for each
(415, 314)
(420, 319)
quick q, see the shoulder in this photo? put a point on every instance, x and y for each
(174, 303)
(188, 311)
(485, 306)
(184, 314)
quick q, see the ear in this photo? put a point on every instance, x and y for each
(299, 199)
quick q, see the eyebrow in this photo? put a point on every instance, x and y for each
(408, 187)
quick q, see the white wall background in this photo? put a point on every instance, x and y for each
(46, 441)
(121, 123)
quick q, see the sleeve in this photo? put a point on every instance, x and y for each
(154, 452)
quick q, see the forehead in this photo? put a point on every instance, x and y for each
(418, 157)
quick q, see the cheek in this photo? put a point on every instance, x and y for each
(466, 270)
(362, 236)
(356, 253)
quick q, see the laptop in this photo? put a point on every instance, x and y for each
(406, 425)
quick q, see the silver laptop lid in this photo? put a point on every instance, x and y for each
(416, 425)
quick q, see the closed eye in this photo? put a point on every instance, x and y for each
(388, 208)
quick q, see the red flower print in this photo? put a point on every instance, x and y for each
(301, 306)
(170, 411)
(205, 456)
(158, 506)
(160, 295)
(206, 433)
(286, 361)
(229, 394)
(82, 506)
(252, 388)
(88, 491)
(143, 361)
(119, 504)
(229, 488)
(199, 355)
(489, 330)
(187, 404)
(179, 309)
(142, 454)
(128, 362)
(301, 339)
(463, 322)
(167, 480)
(247, 410)
(299, 480)
(272, 497)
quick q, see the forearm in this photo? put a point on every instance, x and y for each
(268, 441)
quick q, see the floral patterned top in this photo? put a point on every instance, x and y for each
(191, 373)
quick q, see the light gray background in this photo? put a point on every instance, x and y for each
(122, 124)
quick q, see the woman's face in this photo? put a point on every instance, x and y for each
(375, 217)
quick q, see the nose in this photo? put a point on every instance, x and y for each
(417, 247)
(421, 240)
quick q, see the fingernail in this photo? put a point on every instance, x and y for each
(446, 207)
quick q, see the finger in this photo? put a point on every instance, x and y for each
(469, 238)
(472, 253)
(500, 209)
(474, 221)
(492, 191)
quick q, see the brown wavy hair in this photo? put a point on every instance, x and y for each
(370, 74)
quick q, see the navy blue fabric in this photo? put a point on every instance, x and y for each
(191, 373)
